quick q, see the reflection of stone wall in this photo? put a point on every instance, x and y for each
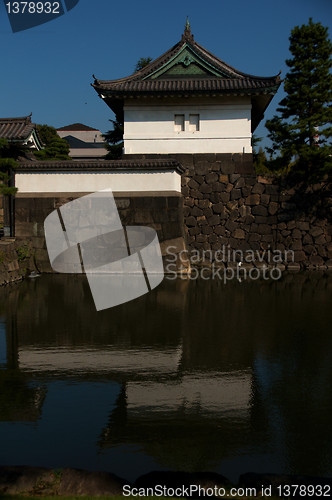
(16, 260)
(161, 211)
(226, 204)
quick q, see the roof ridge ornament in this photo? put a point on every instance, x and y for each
(187, 35)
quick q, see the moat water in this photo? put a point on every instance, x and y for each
(194, 376)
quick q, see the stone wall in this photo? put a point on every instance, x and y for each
(226, 205)
(161, 211)
(16, 260)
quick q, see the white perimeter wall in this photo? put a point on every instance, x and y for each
(88, 182)
(224, 128)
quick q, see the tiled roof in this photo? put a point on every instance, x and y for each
(16, 129)
(103, 165)
(230, 80)
(78, 127)
(199, 86)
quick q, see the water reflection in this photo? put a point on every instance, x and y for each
(193, 376)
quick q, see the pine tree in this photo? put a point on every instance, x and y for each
(141, 63)
(7, 165)
(306, 110)
(114, 138)
(55, 148)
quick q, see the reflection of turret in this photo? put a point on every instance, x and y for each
(206, 375)
(184, 424)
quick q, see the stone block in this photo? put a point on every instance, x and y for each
(231, 226)
(249, 219)
(204, 203)
(219, 230)
(246, 190)
(236, 194)
(316, 231)
(194, 230)
(212, 238)
(320, 240)
(253, 199)
(299, 256)
(265, 199)
(186, 211)
(223, 178)
(207, 212)
(316, 260)
(296, 245)
(259, 210)
(260, 219)
(224, 197)
(189, 202)
(303, 226)
(254, 237)
(240, 183)
(218, 187)
(191, 221)
(238, 234)
(205, 188)
(194, 193)
(291, 224)
(207, 229)
(264, 229)
(201, 238)
(211, 177)
(273, 207)
(218, 208)
(199, 178)
(264, 180)
(258, 188)
(193, 184)
(296, 233)
(195, 211)
(214, 220)
(227, 167)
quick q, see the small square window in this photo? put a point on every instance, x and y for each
(193, 123)
(179, 123)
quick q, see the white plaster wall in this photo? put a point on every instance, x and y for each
(88, 182)
(88, 153)
(224, 128)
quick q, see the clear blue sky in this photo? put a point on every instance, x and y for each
(47, 70)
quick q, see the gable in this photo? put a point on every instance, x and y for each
(187, 63)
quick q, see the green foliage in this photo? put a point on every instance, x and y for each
(114, 139)
(55, 148)
(7, 164)
(141, 63)
(261, 162)
(23, 252)
(306, 109)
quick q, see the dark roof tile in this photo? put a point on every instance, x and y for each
(108, 165)
(78, 127)
(16, 128)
